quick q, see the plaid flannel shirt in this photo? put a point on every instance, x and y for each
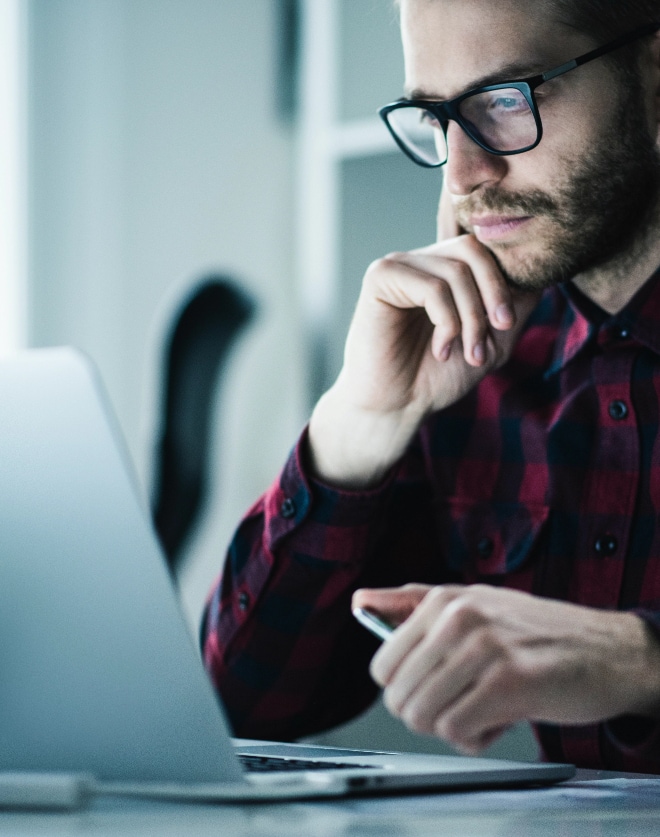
(544, 478)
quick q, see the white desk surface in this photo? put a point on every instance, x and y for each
(592, 805)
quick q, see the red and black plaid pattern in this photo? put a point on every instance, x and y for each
(545, 478)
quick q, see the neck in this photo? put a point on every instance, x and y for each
(612, 285)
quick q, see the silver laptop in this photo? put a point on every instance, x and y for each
(98, 671)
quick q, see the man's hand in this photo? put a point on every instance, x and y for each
(428, 326)
(467, 662)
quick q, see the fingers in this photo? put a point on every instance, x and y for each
(416, 639)
(495, 293)
(475, 746)
(478, 717)
(445, 674)
(394, 604)
(472, 660)
(430, 679)
(404, 285)
(461, 288)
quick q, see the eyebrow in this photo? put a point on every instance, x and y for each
(510, 72)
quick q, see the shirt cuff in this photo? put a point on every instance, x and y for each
(635, 736)
(297, 497)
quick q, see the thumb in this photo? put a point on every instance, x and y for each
(394, 604)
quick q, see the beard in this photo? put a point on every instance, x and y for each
(602, 210)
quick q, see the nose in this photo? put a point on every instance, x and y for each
(470, 167)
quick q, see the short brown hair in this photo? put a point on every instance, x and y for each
(605, 19)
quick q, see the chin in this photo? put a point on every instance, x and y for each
(530, 271)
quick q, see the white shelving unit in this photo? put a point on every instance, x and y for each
(358, 197)
(13, 177)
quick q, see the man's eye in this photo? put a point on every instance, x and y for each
(510, 104)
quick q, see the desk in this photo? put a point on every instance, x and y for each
(592, 805)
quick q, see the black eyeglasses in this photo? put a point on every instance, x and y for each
(501, 118)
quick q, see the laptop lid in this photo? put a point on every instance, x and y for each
(99, 671)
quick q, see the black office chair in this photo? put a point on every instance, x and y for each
(196, 350)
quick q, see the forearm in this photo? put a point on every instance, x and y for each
(289, 668)
(280, 643)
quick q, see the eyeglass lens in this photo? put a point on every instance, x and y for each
(501, 119)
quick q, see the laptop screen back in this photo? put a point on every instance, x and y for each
(97, 668)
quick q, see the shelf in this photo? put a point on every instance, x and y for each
(360, 138)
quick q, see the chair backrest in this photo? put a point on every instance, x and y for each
(195, 351)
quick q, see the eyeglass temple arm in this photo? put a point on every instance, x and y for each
(622, 40)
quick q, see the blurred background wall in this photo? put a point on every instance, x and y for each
(157, 155)
(155, 141)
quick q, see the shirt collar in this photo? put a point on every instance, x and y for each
(642, 314)
(582, 321)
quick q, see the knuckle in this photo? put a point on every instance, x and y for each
(476, 648)
(458, 272)
(478, 591)
(415, 593)
(440, 289)
(501, 657)
(377, 266)
(415, 718)
(465, 616)
(391, 703)
(381, 265)
(436, 599)
(413, 587)
(486, 638)
(502, 676)
(437, 594)
(449, 328)
(449, 729)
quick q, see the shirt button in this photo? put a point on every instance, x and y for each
(243, 601)
(485, 547)
(618, 410)
(623, 333)
(288, 508)
(606, 545)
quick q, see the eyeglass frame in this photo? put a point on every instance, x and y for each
(449, 110)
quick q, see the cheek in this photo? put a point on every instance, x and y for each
(567, 140)
(574, 124)
(569, 135)
(538, 170)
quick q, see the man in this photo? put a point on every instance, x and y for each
(493, 434)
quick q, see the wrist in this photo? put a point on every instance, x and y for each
(354, 448)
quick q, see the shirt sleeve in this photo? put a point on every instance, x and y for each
(279, 640)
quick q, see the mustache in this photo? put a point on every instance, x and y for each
(496, 201)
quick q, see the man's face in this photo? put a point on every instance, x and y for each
(583, 195)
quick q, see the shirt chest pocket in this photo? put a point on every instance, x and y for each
(483, 540)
